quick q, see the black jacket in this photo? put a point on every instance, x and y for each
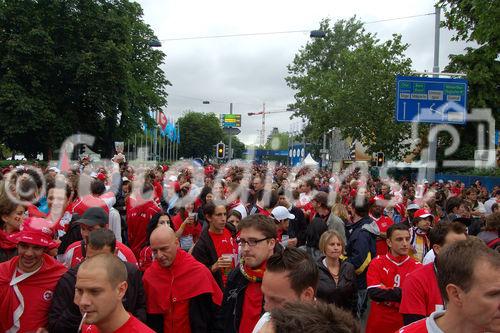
(229, 316)
(298, 226)
(343, 294)
(360, 247)
(314, 231)
(64, 315)
(204, 251)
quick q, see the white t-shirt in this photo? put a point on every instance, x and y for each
(264, 319)
(429, 257)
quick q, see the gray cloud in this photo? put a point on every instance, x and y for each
(250, 70)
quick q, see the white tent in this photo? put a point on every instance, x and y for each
(309, 161)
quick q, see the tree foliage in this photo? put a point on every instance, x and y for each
(278, 141)
(75, 66)
(347, 80)
(200, 132)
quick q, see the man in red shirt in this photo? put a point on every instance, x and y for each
(94, 218)
(383, 222)
(243, 299)
(101, 283)
(420, 294)
(469, 280)
(27, 281)
(181, 293)
(216, 248)
(138, 218)
(385, 276)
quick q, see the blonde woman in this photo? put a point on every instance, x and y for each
(337, 279)
(337, 219)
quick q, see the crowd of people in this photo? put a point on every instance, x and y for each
(219, 248)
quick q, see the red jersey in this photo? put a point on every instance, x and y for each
(74, 254)
(138, 218)
(145, 258)
(84, 203)
(132, 325)
(224, 244)
(425, 325)
(387, 272)
(421, 293)
(25, 298)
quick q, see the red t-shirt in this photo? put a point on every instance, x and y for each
(194, 230)
(420, 326)
(74, 255)
(252, 307)
(132, 325)
(84, 203)
(145, 258)
(224, 244)
(421, 293)
(387, 272)
(138, 218)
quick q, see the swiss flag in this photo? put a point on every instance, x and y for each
(162, 120)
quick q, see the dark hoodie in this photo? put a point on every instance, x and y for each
(361, 237)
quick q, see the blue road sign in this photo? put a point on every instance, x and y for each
(431, 100)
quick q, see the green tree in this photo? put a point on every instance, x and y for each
(200, 132)
(278, 141)
(75, 66)
(347, 80)
(475, 21)
(238, 146)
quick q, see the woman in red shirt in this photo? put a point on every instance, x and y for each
(187, 226)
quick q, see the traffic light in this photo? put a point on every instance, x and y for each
(380, 159)
(221, 150)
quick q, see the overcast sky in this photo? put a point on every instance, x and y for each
(250, 70)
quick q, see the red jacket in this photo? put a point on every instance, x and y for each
(168, 290)
(35, 292)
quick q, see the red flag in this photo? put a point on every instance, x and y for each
(162, 120)
(64, 161)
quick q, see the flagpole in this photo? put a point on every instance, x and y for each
(142, 134)
(176, 143)
(135, 147)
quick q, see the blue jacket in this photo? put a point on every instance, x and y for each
(360, 247)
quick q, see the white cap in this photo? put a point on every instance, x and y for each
(412, 206)
(55, 169)
(280, 213)
(125, 179)
(426, 181)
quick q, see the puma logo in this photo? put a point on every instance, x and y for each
(386, 270)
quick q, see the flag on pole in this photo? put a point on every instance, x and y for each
(162, 122)
(178, 134)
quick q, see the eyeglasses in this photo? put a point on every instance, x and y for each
(251, 242)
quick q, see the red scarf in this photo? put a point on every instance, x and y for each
(184, 279)
(5, 242)
(252, 274)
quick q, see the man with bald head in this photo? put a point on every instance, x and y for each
(182, 294)
(101, 283)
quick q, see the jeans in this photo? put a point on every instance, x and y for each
(362, 298)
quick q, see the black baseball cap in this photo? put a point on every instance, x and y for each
(94, 216)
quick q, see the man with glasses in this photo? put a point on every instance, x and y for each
(243, 299)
